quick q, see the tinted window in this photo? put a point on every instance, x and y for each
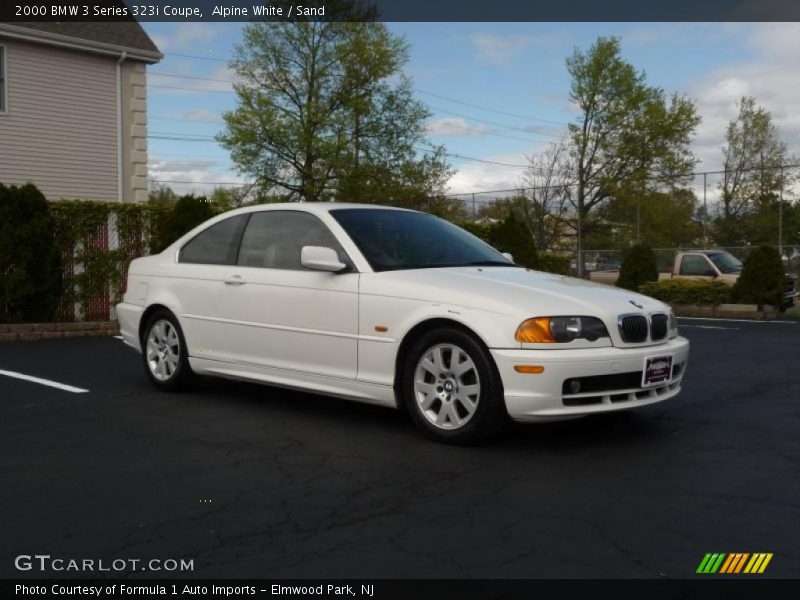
(399, 239)
(274, 239)
(727, 263)
(695, 264)
(216, 245)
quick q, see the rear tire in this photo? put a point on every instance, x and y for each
(451, 388)
(164, 353)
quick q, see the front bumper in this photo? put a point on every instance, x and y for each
(531, 397)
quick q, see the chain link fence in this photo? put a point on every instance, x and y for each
(611, 260)
(707, 210)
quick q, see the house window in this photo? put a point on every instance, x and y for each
(3, 94)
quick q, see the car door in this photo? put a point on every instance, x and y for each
(282, 315)
(196, 284)
(697, 266)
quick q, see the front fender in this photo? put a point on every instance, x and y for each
(384, 322)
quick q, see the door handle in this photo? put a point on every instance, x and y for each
(234, 280)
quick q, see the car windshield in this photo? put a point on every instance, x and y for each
(399, 239)
(725, 262)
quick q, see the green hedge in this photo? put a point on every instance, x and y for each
(554, 263)
(139, 229)
(688, 291)
(79, 224)
(30, 269)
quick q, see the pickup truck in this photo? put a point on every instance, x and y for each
(702, 264)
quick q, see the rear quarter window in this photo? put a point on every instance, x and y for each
(216, 245)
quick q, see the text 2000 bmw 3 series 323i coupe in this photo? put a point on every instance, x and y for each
(398, 308)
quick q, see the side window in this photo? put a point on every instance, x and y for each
(216, 245)
(695, 264)
(273, 239)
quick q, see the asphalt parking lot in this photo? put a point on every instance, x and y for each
(253, 481)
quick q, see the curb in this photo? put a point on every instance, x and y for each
(46, 331)
(725, 311)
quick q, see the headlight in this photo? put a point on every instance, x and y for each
(559, 330)
(673, 325)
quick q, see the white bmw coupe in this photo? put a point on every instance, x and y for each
(397, 308)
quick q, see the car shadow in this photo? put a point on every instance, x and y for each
(628, 428)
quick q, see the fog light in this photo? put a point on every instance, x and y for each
(574, 386)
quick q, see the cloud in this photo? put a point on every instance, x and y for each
(201, 114)
(476, 178)
(454, 126)
(187, 36)
(770, 75)
(501, 50)
(674, 33)
(553, 131)
(220, 79)
(198, 176)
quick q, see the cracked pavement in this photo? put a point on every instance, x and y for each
(253, 481)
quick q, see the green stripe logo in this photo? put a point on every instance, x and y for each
(711, 562)
(734, 563)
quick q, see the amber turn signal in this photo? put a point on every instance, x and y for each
(535, 331)
(532, 369)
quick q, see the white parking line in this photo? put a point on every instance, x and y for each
(711, 327)
(737, 320)
(39, 380)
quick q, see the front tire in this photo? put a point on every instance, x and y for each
(451, 388)
(164, 353)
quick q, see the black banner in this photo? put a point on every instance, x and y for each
(400, 10)
(382, 589)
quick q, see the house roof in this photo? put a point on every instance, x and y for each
(104, 37)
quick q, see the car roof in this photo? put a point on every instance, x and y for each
(314, 207)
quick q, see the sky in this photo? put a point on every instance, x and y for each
(498, 91)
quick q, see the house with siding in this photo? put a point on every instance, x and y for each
(73, 108)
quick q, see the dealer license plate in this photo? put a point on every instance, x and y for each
(657, 369)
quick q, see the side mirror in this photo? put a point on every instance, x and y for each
(321, 258)
(711, 273)
(508, 256)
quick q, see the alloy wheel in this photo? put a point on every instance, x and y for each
(163, 350)
(447, 387)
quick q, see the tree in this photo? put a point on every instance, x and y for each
(405, 181)
(491, 209)
(548, 184)
(753, 179)
(30, 265)
(511, 235)
(627, 133)
(666, 219)
(326, 113)
(508, 235)
(638, 267)
(189, 211)
(763, 279)
(162, 196)
(791, 224)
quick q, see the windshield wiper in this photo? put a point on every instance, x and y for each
(489, 263)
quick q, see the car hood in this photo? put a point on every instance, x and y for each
(511, 290)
